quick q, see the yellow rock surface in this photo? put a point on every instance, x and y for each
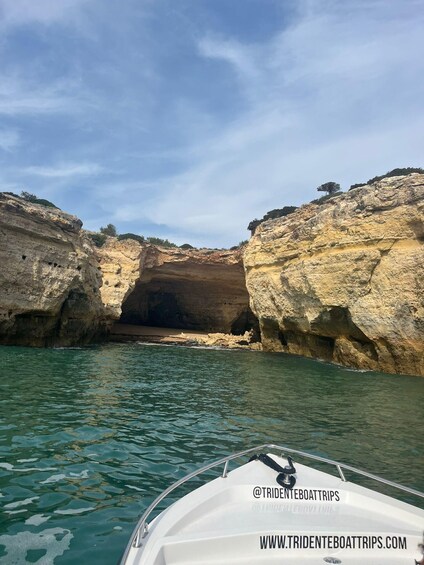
(120, 265)
(343, 281)
(171, 287)
(49, 280)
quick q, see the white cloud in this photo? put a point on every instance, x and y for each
(239, 56)
(337, 96)
(215, 202)
(24, 97)
(65, 170)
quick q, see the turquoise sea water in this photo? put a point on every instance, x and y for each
(88, 437)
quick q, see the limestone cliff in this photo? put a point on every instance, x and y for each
(49, 278)
(120, 264)
(170, 287)
(343, 281)
(56, 288)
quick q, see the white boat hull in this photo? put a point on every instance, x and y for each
(247, 518)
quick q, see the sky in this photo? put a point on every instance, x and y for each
(186, 119)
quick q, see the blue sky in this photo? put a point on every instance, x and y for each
(186, 119)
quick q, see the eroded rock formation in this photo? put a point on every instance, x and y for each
(56, 288)
(188, 289)
(344, 281)
(49, 280)
(120, 264)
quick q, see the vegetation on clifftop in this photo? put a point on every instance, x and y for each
(392, 173)
(99, 238)
(134, 236)
(325, 198)
(271, 215)
(160, 242)
(109, 230)
(33, 199)
(329, 187)
(333, 190)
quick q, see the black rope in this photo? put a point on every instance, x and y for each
(285, 476)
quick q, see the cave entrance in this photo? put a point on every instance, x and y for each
(205, 305)
(245, 322)
(159, 304)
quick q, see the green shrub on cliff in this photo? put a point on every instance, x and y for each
(279, 212)
(254, 224)
(394, 173)
(241, 244)
(35, 200)
(99, 239)
(134, 236)
(110, 230)
(161, 242)
(325, 198)
(271, 215)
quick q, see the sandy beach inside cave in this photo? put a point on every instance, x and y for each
(128, 332)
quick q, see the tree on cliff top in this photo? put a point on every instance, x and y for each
(329, 187)
(110, 230)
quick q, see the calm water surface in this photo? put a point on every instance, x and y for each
(88, 437)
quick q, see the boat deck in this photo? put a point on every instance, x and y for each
(247, 518)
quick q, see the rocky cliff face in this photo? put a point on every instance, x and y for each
(187, 289)
(344, 281)
(49, 278)
(57, 289)
(120, 263)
